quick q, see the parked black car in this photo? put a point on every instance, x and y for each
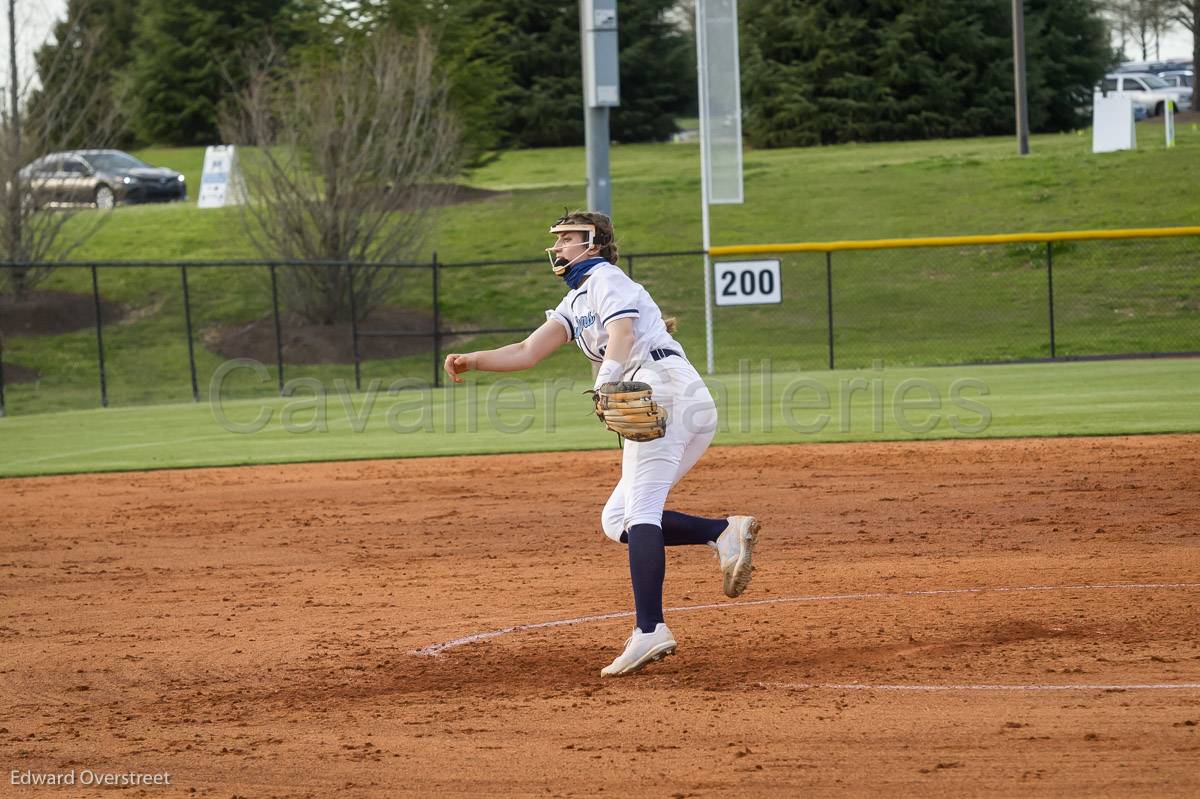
(100, 178)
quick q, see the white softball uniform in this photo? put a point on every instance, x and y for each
(648, 468)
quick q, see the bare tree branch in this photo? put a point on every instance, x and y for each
(36, 123)
(1145, 21)
(350, 162)
(1187, 15)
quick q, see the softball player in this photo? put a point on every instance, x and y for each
(619, 328)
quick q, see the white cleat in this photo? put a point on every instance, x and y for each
(735, 550)
(641, 649)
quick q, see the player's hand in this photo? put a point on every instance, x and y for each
(456, 364)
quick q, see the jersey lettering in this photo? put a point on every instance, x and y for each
(582, 322)
(609, 294)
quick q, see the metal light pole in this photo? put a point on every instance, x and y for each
(599, 180)
(601, 91)
(1019, 77)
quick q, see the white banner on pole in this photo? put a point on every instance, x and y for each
(720, 99)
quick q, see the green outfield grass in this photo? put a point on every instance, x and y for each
(1093, 398)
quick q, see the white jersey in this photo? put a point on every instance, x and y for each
(608, 294)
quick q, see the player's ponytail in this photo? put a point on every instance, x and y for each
(672, 325)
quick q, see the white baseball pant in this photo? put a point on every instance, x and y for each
(649, 469)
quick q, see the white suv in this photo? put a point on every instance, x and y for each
(1149, 91)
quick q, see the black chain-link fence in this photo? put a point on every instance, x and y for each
(971, 304)
(140, 333)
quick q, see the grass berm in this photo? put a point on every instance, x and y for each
(910, 307)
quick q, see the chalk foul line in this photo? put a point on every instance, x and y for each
(854, 686)
(433, 650)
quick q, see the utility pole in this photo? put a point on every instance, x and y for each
(14, 113)
(1019, 77)
(13, 157)
(601, 91)
(12, 60)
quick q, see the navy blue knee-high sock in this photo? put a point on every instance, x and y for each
(647, 568)
(679, 529)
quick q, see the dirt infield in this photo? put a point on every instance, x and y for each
(251, 632)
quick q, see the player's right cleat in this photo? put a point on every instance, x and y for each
(735, 550)
(641, 649)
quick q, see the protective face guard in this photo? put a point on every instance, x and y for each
(565, 227)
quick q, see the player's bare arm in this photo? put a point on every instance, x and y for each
(616, 356)
(510, 358)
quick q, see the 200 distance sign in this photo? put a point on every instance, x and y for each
(747, 282)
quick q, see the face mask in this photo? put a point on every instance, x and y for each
(561, 264)
(557, 262)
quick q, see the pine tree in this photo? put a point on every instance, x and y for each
(81, 69)
(943, 64)
(471, 54)
(543, 104)
(657, 69)
(1067, 52)
(821, 71)
(187, 55)
(806, 72)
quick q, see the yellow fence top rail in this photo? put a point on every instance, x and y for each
(954, 241)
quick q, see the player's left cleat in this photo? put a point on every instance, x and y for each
(735, 550)
(642, 649)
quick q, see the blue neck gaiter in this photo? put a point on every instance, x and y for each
(574, 276)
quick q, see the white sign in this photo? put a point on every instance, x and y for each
(221, 185)
(748, 282)
(1112, 123)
